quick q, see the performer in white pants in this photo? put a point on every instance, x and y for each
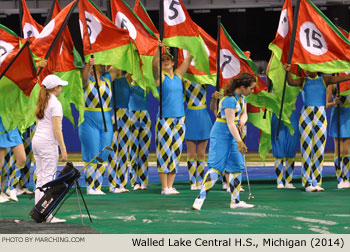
(48, 134)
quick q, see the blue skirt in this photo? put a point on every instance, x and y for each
(9, 139)
(198, 124)
(344, 123)
(286, 146)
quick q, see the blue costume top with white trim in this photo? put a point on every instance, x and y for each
(314, 91)
(138, 98)
(172, 97)
(344, 117)
(223, 148)
(122, 92)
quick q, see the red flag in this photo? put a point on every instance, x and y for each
(319, 45)
(22, 72)
(232, 60)
(123, 17)
(31, 29)
(141, 12)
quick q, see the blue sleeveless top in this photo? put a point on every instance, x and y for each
(121, 92)
(314, 91)
(138, 98)
(172, 97)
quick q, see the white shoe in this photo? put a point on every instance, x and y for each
(120, 190)
(19, 191)
(27, 191)
(228, 190)
(289, 186)
(197, 204)
(195, 187)
(54, 219)
(143, 187)
(137, 187)
(241, 189)
(5, 196)
(91, 191)
(173, 191)
(310, 189)
(280, 186)
(341, 185)
(13, 195)
(224, 186)
(347, 184)
(165, 191)
(319, 189)
(3, 199)
(241, 204)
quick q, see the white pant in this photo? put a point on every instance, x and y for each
(46, 156)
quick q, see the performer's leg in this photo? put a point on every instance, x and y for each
(279, 172)
(235, 186)
(305, 128)
(289, 170)
(144, 144)
(134, 147)
(191, 162)
(320, 137)
(201, 148)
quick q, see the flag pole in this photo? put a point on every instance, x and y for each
(49, 16)
(14, 58)
(161, 34)
(338, 112)
(218, 54)
(59, 33)
(20, 7)
(289, 59)
(98, 85)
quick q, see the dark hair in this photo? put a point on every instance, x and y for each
(244, 79)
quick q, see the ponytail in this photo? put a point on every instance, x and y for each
(41, 105)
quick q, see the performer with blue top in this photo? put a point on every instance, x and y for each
(197, 134)
(313, 125)
(226, 146)
(140, 136)
(91, 132)
(118, 160)
(343, 171)
(170, 126)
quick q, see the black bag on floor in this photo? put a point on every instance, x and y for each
(54, 192)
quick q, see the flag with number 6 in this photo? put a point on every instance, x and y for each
(319, 45)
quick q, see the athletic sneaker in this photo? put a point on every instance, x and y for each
(3, 199)
(120, 190)
(137, 187)
(280, 186)
(165, 191)
(91, 191)
(310, 189)
(143, 187)
(13, 195)
(241, 189)
(54, 219)
(20, 191)
(241, 204)
(173, 191)
(224, 186)
(195, 187)
(27, 191)
(341, 185)
(289, 186)
(347, 184)
(197, 204)
(319, 189)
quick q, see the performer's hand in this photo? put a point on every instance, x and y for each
(336, 100)
(64, 155)
(287, 67)
(242, 147)
(41, 63)
(240, 128)
(91, 61)
(216, 95)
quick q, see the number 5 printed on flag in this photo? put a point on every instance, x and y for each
(312, 39)
(173, 12)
